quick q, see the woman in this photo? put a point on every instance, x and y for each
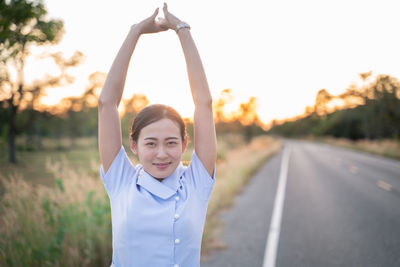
(159, 206)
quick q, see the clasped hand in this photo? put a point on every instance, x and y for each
(150, 25)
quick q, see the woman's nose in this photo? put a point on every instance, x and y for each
(161, 152)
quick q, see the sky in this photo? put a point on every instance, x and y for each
(282, 52)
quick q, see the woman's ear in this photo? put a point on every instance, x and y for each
(133, 145)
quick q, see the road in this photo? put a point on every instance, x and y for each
(341, 208)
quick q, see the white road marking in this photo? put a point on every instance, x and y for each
(275, 226)
(384, 185)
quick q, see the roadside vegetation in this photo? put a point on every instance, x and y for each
(386, 147)
(365, 117)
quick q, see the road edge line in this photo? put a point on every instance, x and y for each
(271, 247)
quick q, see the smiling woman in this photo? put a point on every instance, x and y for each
(159, 206)
(158, 138)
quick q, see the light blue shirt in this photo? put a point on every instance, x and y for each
(157, 224)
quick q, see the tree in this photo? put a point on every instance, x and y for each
(135, 104)
(80, 112)
(321, 100)
(23, 23)
(132, 107)
(92, 91)
(219, 105)
(248, 117)
(386, 106)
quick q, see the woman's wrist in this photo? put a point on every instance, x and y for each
(181, 25)
(136, 29)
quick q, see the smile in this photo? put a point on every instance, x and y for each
(162, 165)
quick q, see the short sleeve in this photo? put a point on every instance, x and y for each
(202, 181)
(119, 175)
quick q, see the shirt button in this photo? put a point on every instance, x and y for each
(176, 216)
(176, 198)
(177, 241)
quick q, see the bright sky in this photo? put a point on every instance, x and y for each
(282, 52)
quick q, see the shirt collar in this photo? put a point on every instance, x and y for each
(164, 189)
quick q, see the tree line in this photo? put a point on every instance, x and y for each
(76, 117)
(369, 111)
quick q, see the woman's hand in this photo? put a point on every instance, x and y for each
(149, 25)
(170, 21)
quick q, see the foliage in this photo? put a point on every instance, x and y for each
(370, 112)
(132, 107)
(244, 121)
(23, 23)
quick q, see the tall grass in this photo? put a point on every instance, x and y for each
(68, 225)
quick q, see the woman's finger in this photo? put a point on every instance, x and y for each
(155, 13)
(165, 8)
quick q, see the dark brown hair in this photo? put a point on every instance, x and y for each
(154, 113)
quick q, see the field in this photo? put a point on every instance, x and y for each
(55, 212)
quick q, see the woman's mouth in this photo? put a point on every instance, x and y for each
(162, 165)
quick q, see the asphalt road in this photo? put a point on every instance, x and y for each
(341, 208)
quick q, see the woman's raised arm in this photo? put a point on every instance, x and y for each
(204, 129)
(110, 138)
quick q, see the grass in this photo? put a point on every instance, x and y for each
(54, 210)
(386, 147)
(64, 225)
(32, 163)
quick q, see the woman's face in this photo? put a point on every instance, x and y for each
(159, 148)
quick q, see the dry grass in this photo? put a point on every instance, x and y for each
(64, 225)
(232, 174)
(386, 147)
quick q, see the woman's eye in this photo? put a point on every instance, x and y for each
(151, 144)
(172, 143)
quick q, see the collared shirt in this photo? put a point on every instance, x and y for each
(157, 223)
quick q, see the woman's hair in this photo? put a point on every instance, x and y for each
(154, 113)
